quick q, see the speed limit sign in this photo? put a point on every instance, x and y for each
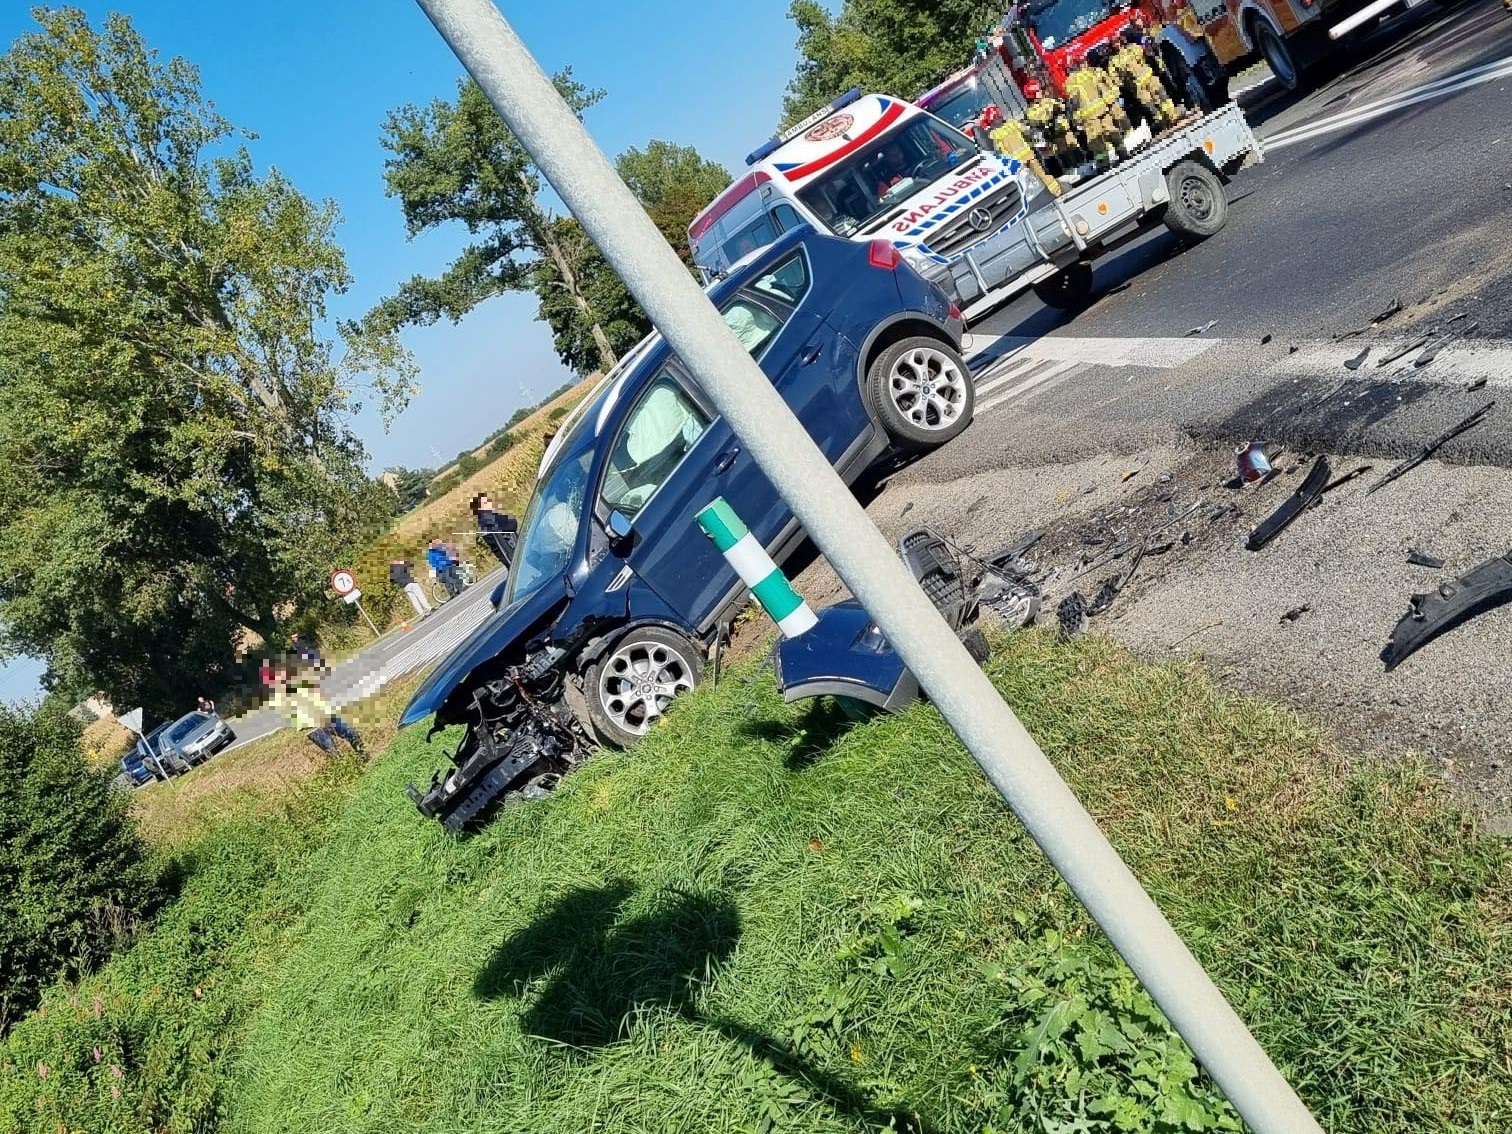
(342, 582)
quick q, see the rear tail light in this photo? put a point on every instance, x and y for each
(955, 311)
(883, 255)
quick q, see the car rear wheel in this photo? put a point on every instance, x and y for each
(922, 392)
(637, 678)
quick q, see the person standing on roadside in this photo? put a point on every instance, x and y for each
(300, 699)
(500, 531)
(444, 566)
(399, 573)
(205, 705)
(305, 651)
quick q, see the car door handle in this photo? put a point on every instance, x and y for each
(810, 356)
(723, 462)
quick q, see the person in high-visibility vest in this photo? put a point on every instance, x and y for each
(1092, 98)
(1047, 116)
(1009, 139)
(299, 698)
(1131, 63)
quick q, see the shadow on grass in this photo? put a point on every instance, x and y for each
(604, 969)
(806, 739)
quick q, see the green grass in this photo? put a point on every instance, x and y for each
(765, 918)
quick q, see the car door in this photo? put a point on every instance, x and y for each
(809, 363)
(670, 457)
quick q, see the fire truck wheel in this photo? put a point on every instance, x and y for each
(1198, 207)
(1278, 56)
(1067, 290)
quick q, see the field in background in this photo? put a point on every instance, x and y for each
(766, 917)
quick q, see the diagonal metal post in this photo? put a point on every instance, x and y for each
(584, 179)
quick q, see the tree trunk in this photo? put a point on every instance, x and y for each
(559, 257)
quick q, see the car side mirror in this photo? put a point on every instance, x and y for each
(618, 525)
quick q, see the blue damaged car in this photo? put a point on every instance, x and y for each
(615, 597)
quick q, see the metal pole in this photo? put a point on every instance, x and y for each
(377, 633)
(617, 223)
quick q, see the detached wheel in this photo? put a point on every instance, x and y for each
(1067, 290)
(922, 392)
(1199, 207)
(1278, 56)
(631, 686)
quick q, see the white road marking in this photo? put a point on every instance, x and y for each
(1159, 353)
(995, 377)
(1030, 385)
(1455, 364)
(1463, 80)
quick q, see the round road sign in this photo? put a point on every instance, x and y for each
(342, 582)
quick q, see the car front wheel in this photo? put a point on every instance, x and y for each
(637, 678)
(922, 392)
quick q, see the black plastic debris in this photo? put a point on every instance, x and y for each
(1403, 352)
(1357, 361)
(1306, 495)
(1265, 339)
(1202, 330)
(1071, 615)
(1295, 613)
(1423, 559)
(1480, 589)
(1475, 385)
(1432, 447)
(1396, 306)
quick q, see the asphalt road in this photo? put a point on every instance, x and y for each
(399, 652)
(1391, 181)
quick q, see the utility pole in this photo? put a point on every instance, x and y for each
(580, 173)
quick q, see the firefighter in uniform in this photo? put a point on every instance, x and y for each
(1009, 138)
(1131, 64)
(1092, 100)
(1047, 116)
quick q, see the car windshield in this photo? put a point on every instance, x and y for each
(874, 179)
(552, 521)
(964, 107)
(186, 726)
(1060, 20)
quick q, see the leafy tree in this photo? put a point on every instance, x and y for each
(673, 182)
(409, 486)
(72, 875)
(896, 47)
(467, 464)
(176, 463)
(458, 161)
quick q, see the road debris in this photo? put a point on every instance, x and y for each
(1357, 361)
(1265, 338)
(1071, 615)
(1475, 385)
(1480, 589)
(1251, 461)
(1423, 559)
(1295, 613)
(1403, 352)
(1128, 476)
(1345, 478)
(1432, 447)
(1307, 494)
(1202, 330)
(1430, 352)
(1457, 318)
(1194, 633)
(1394, 308)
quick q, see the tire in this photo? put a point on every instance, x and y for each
(1279, 56)
(1067, 290)
(438, 593)
(1199, 207)
(636, 678)
(921, 391)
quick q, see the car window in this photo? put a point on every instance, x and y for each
(753, 325)
(785, 217)
(664, 425)
(758, 234)
(788, 281)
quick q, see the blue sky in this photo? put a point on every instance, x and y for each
(314, 81)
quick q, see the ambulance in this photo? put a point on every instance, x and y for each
(870, 167)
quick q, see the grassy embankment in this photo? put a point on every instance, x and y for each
(766, 919)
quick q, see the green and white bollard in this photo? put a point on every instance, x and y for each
(743, 552)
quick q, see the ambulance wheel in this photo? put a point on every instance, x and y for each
(922, 392)
(630, 687)
(1067, 290)
(1198, 207)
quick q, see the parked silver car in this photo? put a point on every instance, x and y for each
(197, 736)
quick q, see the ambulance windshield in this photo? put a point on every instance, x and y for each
(902, 162)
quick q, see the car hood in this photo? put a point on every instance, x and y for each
(492, 637)
(204, 732)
